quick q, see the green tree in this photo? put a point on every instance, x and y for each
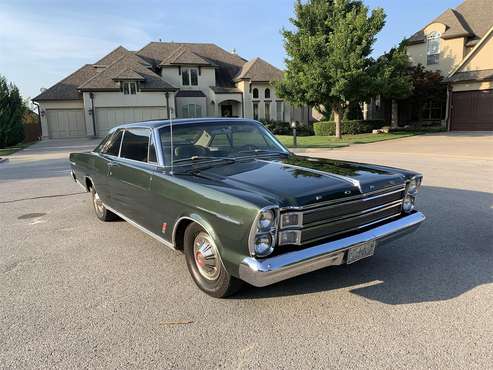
(392, 78)
(328, 55)
(12, 109)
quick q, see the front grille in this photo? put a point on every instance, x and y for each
(346, 215)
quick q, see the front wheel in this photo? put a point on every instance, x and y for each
(205, 265)
(101, 211)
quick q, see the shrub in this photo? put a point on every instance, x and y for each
(284, 128)
(328, 128)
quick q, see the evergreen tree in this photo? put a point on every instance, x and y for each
(12, 109)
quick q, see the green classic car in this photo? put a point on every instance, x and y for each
(240, 205)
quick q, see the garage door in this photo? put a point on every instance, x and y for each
(107, 118)
(65, 123)
(472, 111)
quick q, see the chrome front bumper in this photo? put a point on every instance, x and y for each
(272, 270)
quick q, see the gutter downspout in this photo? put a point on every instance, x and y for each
(166, 94)
(91, 95)
(39, 119)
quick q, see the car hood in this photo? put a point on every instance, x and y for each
(298, 181)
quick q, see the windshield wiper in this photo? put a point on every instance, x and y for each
(261, 151)
(201, 158)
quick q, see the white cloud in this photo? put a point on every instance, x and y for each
(35, 53)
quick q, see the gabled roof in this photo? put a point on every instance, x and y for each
(227, 64)
(471, 19)
(127, 64)
(259, 70)
(183, 55)
(128, 74)
(67, 89)
(116, 54)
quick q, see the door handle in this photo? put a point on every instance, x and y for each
(110, 166)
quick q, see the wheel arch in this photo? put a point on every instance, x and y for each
(183, 222)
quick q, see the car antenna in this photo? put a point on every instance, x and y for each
(171, 138)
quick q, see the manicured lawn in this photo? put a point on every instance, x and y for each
(332, 142)
(12, 149)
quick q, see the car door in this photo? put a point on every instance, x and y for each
(130, 176)
(107, 153)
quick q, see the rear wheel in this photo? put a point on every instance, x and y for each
(205, 265)
(101, 212)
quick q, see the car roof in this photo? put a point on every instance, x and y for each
(182, 121)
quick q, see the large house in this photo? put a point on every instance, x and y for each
(459, 44)
(162, 80)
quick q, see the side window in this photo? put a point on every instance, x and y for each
(152, 151)
(267, 93)
(112, 146)
(135, 144)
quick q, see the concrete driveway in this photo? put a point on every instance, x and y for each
(76, 292)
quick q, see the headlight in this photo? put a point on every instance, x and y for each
(263, 245)
(266, 220)
(413, 185)
(408, 203)
(263, 233)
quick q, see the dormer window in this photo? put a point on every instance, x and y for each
(189, 76)
(433, 48)
(128, 87)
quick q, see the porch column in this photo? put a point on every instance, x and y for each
(395, 114)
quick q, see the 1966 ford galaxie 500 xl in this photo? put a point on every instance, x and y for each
(239, 204)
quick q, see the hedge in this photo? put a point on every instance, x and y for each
(328, 128)
(284, 128)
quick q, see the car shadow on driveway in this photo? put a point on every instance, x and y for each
(449, 255)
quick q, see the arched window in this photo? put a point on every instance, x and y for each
(267, 94)
(255, 93)
(433, 48)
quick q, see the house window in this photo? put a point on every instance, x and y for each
(189, 76)
(267, 111)
(255, 93)
(267, 93)
(191, 111)
(433, 48)
(255, 111)
(128, 88)
(433, 110)
(279, 111)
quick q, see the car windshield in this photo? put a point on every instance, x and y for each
(217, 141)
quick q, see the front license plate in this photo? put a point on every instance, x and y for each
(361, 251)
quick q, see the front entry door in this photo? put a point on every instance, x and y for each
(227, 110)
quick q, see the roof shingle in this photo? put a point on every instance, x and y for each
(67, 89)
(470, 19)
(259, 70)
(105, 80)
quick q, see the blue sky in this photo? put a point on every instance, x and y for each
(41, 42)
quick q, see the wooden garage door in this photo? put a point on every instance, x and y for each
(472, 111)
(65, 123)
(107, 118)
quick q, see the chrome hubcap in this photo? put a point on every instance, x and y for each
(206, 257)
(98, 204)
